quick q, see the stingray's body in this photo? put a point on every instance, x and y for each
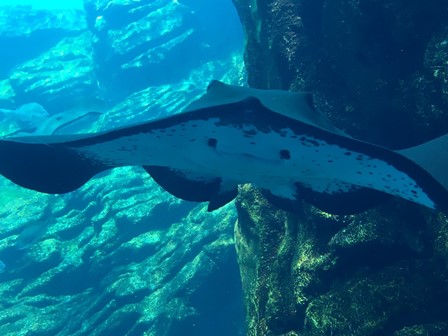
(233, 135)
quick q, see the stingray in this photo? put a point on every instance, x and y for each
(26, 118)
(67, 122)
(30, 120)
(233, 135)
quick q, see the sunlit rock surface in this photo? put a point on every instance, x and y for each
(121, 256)
(146, 43)
(61, 78)
(162, 100)
(26, 32)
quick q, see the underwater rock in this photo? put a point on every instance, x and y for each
(161, 39)
(163, 100)
(313, 274)
(399, 292)
(265, 238)
(436, 329)
(60, 79)
(123, 256)
(26, 32)
(6, 94)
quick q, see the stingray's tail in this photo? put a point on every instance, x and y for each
(432, 156)
(46, 166)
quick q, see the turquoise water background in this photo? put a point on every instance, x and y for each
(44, 4)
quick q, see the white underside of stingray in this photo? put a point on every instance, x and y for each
(231, 136)
(323, 167)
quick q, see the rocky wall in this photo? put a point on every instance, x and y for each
(378, 70)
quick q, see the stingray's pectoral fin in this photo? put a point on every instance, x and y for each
(225, 195)
(432, 157)
(192, 187)
(344, 202)
(284, 203)
(338, 199)
(46, 167)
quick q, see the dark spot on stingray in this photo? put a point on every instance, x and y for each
(162, 131)
(370, 173)
(285, 154)
(212, 142)
(388, 175)
(358, 172)
(330, 161)
(253, 143)
(193, 140)
(348, 153)
(158, 136)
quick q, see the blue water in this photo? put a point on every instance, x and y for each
(42, 4)
(119, 256)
